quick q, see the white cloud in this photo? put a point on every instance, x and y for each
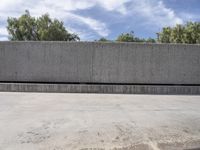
(11, 4)
(83, 34)
(3, 34)
(69, 5)
(155, 12)
(189, 16)
(97, 26)
(62, 10)
(114, 5)
(141, 12)
(3, 38)
(3, 31)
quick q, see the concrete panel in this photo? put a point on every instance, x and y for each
(90, 62)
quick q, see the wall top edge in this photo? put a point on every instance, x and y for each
(100, 43)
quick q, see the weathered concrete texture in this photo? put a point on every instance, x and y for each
(90, 62)
(99, 88)
(52, 121)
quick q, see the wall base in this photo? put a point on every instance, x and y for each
(99, 88)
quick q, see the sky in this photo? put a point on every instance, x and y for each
(93, 19)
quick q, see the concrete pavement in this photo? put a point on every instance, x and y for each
(52, 121)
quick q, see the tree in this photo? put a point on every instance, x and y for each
(177, 34)
(150, 40)
(188, 33)
(192, 32)
(126, 37)
(164, 36)
(24, 28)
(103, 40)
(43, 28)
(130, 37)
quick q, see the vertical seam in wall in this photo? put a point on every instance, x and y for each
(118, 64)
(168, 65)
(77, 66)
(135, 51)
(91, 77)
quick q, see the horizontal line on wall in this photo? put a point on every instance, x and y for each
(99, 83)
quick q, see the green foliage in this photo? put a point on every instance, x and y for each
(103, 40)
(24, 28)
(150, 40)
(192, 33)
(129, 37)
(126, 37)
(43, 28)
(164, 36)
(188, 33)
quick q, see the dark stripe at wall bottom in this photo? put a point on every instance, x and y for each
(100, 88)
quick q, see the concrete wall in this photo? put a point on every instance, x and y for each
(89, 62)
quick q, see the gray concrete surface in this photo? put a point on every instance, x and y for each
(47, 121)
(100, 88)
(100, 62)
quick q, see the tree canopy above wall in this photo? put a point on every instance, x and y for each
(28, 28)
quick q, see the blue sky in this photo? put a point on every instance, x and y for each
(93, 19)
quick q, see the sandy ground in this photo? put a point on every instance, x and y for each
(47, 121)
